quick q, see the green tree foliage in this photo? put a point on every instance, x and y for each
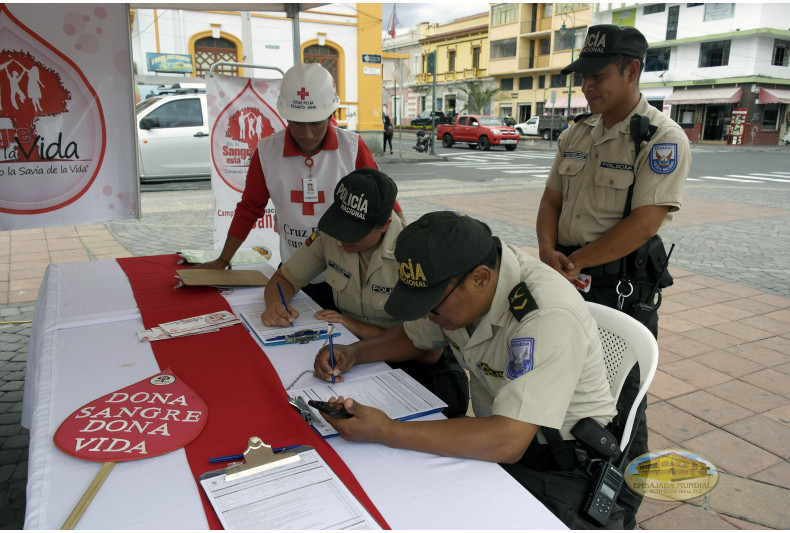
(478, 97)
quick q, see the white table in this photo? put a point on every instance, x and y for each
(83, 345)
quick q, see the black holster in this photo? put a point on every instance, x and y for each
(647, 262)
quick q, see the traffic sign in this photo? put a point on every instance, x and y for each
(371, 58)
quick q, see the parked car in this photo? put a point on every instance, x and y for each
(424, 118)
(478, 131)
(173, 137)
(542, 125)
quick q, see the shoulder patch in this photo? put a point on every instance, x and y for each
(521, 301)
(663, 157)
(312, 237)
(581, 116)
(521, 358)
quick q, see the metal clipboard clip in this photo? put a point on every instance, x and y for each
(301, 406)
(259, 457)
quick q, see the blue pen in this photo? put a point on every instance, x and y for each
(282, 297)
(330, 328)
(239, 457)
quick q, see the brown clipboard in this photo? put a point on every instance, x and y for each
(198, 277)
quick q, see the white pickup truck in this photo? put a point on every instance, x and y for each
(542, 125)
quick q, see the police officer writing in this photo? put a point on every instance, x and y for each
(355, 247)
(524, 335)
(297, 168)
(617, 178)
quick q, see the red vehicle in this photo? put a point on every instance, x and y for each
(478, 131)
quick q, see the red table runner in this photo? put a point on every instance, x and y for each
(229, 371)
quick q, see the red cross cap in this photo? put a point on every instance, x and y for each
(302, 93)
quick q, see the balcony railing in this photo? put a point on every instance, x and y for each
(533, 62)
(531, 26)
(458, 75)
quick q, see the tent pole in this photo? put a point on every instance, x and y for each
(292, 11)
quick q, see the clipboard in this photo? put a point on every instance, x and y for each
(197, 277)
(294, 489)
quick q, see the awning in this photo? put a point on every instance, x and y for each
(774, 96)
(562, 103)
(656, 93)
(723, 95)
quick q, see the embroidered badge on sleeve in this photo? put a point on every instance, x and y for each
(521, 302)
(664, 157)
(311, 239)
(521, 357)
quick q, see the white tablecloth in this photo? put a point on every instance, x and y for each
(83, 345)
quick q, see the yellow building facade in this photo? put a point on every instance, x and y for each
(529, 44)
(461, 48)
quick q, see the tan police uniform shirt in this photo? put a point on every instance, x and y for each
(547, 368)
(362, 300)
(593, 169)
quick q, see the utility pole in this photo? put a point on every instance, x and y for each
(432, 70)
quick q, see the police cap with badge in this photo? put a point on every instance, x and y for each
(603, 44)
(363, 201)
(431, 251)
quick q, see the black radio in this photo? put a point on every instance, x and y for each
(600, 502)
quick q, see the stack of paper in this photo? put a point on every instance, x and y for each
(399, 395)
(190, 326)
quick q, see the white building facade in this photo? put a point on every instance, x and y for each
(720, 70)
(399, 75)
(329, 35)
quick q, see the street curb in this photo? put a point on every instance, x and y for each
(394, 159)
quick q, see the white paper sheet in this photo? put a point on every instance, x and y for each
(306, 320)
(395, 392)
(304, 495)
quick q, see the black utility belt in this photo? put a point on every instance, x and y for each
(539, 457)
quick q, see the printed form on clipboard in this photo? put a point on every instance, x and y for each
(293, 490)
(399, 395)
(275, 335)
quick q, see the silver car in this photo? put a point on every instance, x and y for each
(173, 138)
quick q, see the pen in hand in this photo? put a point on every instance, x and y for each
(282, 297)
(330, 330)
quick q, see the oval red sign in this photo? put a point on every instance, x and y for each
(152, 417)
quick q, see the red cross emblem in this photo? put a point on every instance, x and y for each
(302, 93)
(308, 208)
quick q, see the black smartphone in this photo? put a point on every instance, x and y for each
(330, 408)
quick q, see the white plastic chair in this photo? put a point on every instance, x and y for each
(625, 342)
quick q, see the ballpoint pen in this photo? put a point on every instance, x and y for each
(239, 457)
(331, 329)
(282, 297)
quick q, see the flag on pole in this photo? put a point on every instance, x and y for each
(393, 22)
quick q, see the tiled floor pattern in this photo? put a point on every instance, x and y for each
(21, 272)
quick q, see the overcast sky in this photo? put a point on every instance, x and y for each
(410, 14)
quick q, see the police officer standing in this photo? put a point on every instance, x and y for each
(584, 226)
(524, 335)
